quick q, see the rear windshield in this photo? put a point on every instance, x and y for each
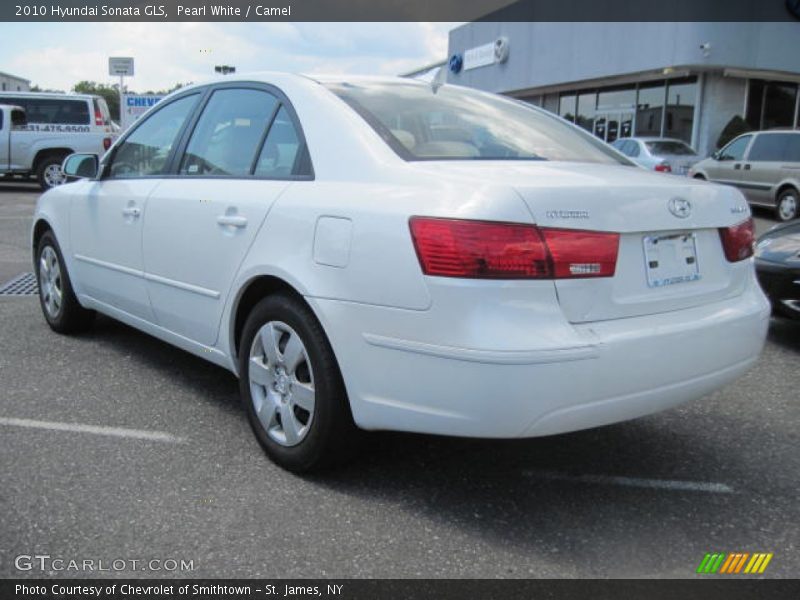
(669, 147)
(52, 110)
(456, 123)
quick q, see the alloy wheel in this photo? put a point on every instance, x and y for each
(50, 282)
(281, 383)
(53, 175)
(788, 207)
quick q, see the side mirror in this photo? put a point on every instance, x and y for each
(715, 155)
(81, 166)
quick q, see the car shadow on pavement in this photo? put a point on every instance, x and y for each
(202, 379)
(17, 187)
(785, 333)
(525, 497)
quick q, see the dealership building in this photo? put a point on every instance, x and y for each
(680, 79)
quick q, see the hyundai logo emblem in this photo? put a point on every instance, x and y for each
(680, 207)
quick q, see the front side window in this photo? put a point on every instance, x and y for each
(735, 150)
(461, 124)
(228, 134)
(146, 150)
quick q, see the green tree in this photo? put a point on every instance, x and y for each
(109, 92)
(735, 127)
(37, 88)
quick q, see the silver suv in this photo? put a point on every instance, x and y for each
(765, 165)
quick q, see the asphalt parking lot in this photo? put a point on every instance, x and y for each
(183, 478)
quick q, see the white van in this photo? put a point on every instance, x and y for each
(57, 126)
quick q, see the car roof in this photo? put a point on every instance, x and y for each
(276, 77)
(655, 139)
(774, 131)
(55, 95)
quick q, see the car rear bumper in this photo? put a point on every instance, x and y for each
(606, 371)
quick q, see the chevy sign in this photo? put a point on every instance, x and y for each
(134, 106)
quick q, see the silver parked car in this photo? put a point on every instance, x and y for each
(765, 165)
(666, 155)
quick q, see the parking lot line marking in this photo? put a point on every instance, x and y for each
(656, 484)
(137, 434)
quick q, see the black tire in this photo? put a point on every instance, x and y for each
(332, 437)
(700, 176)
(41, 171)
(70, 317)
(787, 213)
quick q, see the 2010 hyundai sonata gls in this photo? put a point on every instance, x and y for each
(387, 254)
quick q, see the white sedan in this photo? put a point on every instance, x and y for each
(386, 254)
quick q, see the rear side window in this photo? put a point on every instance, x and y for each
(229, 133)
(53, 110)
(283, 153)
(792, 150)
(146, 150)
(633, 148)
(775, 147)
(423, 122)
(670, 147)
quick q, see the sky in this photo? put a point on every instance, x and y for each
(58, 55)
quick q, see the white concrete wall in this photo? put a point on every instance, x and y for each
(723, 98)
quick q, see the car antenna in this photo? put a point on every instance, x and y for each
(439, 79)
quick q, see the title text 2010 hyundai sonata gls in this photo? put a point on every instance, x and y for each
(386, 254)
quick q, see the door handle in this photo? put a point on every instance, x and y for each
(131, 211)
(232, 221)
(737, 166)
(747, 167)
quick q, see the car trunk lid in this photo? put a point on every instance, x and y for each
(670, 254)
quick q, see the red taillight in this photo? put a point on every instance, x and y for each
(738, 240)
(582, 253)
(493, 250)
(663, 168)
(98, 117)
(106, 143)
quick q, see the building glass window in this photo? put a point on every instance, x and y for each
(566, 106)
(586, 110)
(612, 99)
(779, 103)
(681, 98)
(649, 109)
(771, 104)
(755, 102)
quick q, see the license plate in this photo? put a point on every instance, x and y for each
(671, 259)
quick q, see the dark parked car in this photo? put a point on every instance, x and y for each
(778, 267)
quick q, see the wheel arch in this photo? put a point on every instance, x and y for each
(47, 152)
(39, 229)
(786, 185)
(252, 292)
